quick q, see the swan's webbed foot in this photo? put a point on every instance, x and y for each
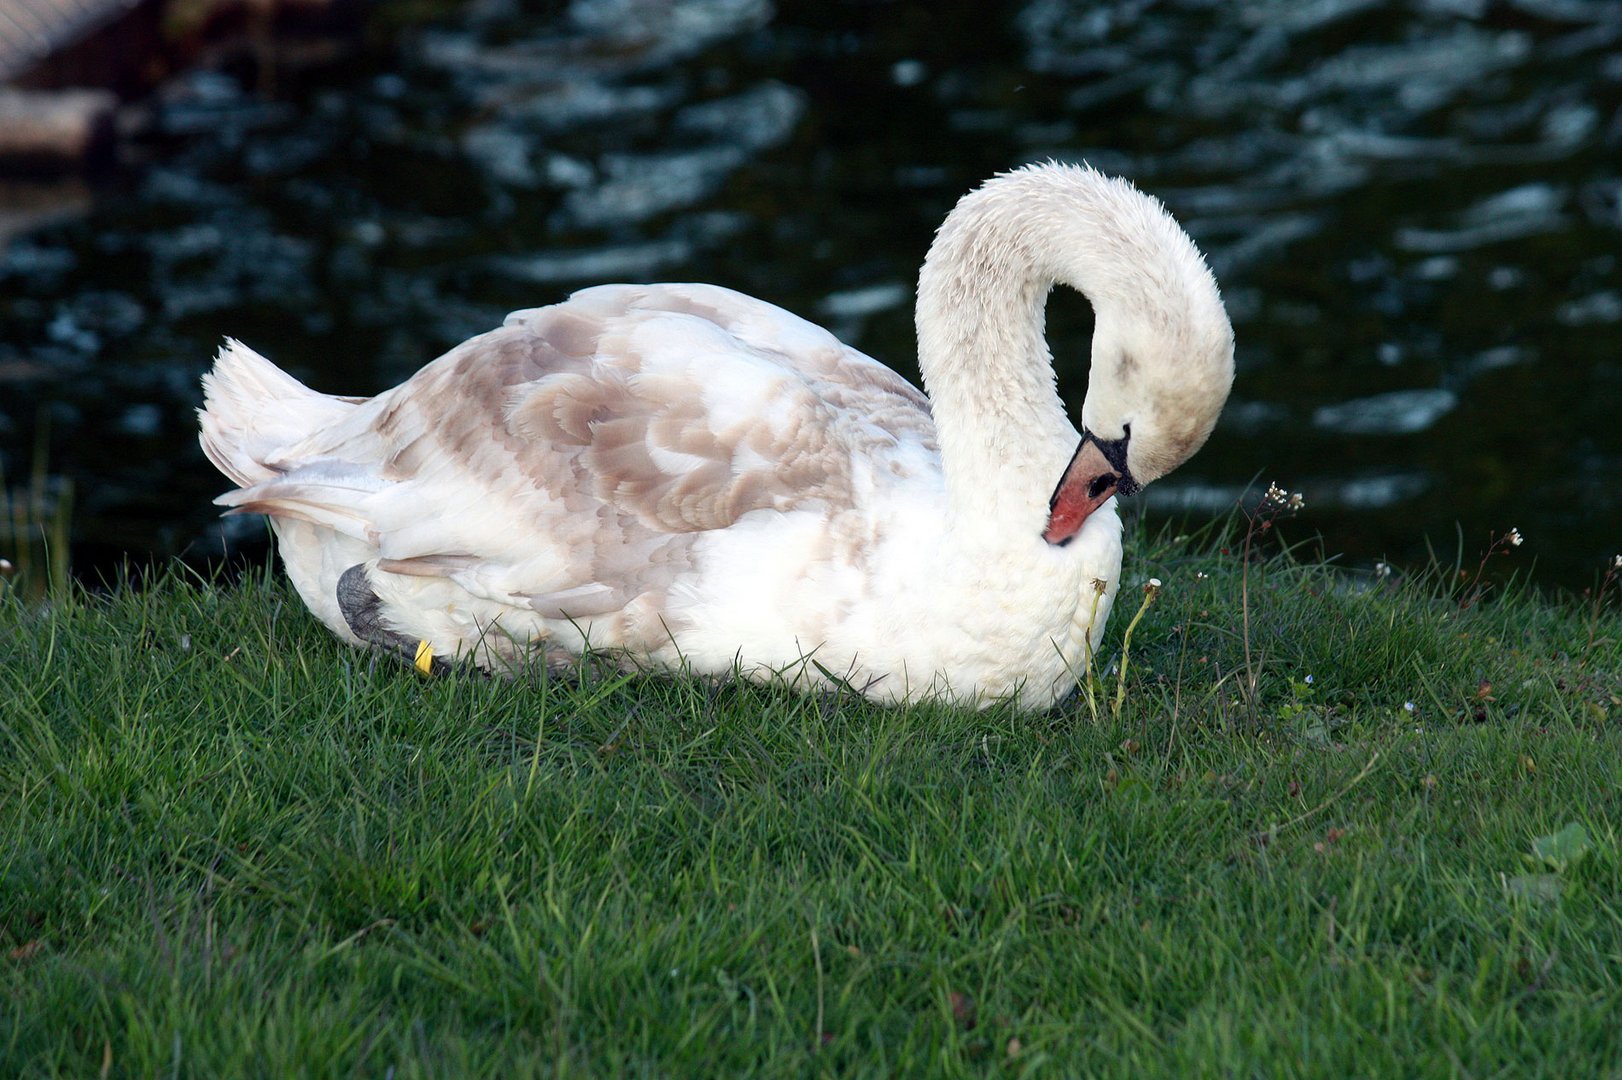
(363, 611)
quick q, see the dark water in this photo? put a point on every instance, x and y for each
(1415, 211)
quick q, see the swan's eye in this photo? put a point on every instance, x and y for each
(1100, 485)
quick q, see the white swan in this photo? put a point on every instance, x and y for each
(696, 478)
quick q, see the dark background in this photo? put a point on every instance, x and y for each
(1414, 210)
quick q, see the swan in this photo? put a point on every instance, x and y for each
(690, 478)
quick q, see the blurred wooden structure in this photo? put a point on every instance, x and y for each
(31, 31)
(67, 66)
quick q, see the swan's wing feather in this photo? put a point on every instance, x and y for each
(842, 377)
(570, 459)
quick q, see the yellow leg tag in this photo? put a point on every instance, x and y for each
(425, 658)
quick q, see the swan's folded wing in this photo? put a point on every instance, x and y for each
(571, 459)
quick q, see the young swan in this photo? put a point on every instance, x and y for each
(689, 477)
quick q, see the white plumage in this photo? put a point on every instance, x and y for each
(686, 476)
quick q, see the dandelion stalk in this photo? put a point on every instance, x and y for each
(1151, 589)
(1087, 650)
(1611, 572)
(1276, 504)
(1244, 618)
(1495, 545)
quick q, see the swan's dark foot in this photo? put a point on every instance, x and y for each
(363, 611)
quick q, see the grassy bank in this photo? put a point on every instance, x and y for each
(230, 846)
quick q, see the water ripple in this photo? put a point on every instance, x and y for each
(1399, 412)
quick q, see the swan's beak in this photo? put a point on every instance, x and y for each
(1089, 480)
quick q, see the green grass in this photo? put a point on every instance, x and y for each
(230, 846)
(35, 523)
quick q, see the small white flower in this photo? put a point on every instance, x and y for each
(1201, 575)
(1382, 570)
(1276, 495)
(1154, 583)
(1296, 501)
(1407, 706)
(1309, 680)
(1616, 562)
(1515, 538)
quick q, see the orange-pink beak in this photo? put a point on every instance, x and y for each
(1089, 480)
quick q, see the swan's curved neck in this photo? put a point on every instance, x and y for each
(982, 350)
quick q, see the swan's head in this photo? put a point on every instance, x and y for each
(1162, 352)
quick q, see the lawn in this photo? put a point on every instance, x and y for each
(1386, 843)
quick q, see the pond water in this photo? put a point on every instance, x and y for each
(1415, 211)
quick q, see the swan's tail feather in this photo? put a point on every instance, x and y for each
(300, 502)
(252, 410)
(326, 492)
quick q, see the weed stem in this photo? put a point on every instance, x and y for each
(1151, 589)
